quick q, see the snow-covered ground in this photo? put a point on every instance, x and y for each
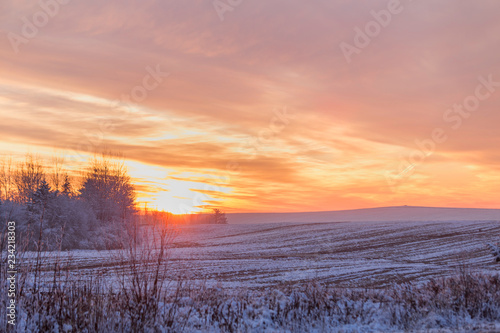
(294, 277)
(344, 254)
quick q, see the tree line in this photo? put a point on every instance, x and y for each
(96, 209)
(56, 211)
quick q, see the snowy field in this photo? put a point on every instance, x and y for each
(282, 277)
(344, 254)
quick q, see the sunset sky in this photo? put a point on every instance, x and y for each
(262, 106)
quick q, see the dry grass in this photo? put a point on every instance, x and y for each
(53, 297)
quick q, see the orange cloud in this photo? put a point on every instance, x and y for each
(71, 89)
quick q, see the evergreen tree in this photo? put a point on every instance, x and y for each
(219, 217)
(67, 189)
(41, 198)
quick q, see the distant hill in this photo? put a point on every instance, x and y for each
(401, 213)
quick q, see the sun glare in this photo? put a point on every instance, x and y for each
(178, 193)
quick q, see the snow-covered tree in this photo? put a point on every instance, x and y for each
(42, 195)
(108, 189)
(28, 177)
(67, 189)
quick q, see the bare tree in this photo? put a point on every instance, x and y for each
(7, 179)
(56, 175)
(28, 177)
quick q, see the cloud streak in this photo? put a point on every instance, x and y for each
(354, 122)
